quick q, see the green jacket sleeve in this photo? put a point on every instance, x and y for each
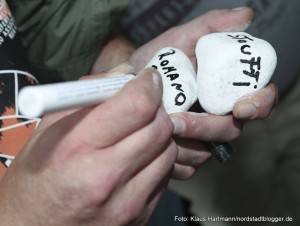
(63, 37)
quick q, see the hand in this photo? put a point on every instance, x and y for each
(191, 151)
(116, 51)
(103, 165)
(186, 36)
(257, 105)
(193, 128)
(121, 69)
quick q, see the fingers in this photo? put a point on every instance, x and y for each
(116, 50)
(206, 127)
(210, 22)
(136, 169)
(186, 36)
(157, 171)
(142, 193)
(191, 154)
(131, 109)
(136, 151)
(122, 69)
(183, 172)
(257, 105)
(220, 21)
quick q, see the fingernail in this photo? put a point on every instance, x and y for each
(239, 8)
(179, 125)
(247, 111)
(156, 78)
(239, 27)
(124, 68)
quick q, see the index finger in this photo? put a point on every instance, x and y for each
(134, 107)
(206, 127)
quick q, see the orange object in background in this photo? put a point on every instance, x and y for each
(15, 129)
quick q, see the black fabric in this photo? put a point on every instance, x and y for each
(170, 206)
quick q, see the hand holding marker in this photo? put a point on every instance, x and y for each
(35, 101)
(179, 80)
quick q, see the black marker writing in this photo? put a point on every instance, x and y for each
(170, 72)
(180, 99)
(241, 37)
(253, 73)
(177, 86)
(245, 49)
(241, 83)
(166, 54)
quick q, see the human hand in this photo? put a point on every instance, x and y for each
(183, 37)
(191, 150)
(186, 36)
(116, 51)
(192, 129)
(258, 105)
(102, 165)
(120, 70)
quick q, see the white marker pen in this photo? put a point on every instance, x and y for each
(35, 101)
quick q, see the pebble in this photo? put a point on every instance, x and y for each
(231, 65)
(178, 77)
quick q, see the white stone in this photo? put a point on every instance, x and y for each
(178, 77)
(231, 65)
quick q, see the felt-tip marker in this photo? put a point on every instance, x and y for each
(35, 101)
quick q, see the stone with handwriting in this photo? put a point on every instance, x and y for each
(178, 77)
(231, 65)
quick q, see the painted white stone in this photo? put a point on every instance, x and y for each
(231, 65)
(178, 77)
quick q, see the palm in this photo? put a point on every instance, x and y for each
(185, 37)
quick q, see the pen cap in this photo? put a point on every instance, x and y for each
(27, 96)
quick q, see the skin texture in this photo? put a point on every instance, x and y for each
(109, 164)
(89, 166)
(191, 128)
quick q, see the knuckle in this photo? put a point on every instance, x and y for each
(134, 215)
(85, 196)
(232, 127)
(100, 189)
(143, 107)
(200, 158)
(130, 213)
(236, 131)
(185, 173)
(165, 127)
(168, 126)
(172, 152)
(189, 173)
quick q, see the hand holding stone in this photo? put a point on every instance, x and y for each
(231, 65)
(179, 79)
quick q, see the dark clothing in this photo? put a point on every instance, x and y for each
(62, 37)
